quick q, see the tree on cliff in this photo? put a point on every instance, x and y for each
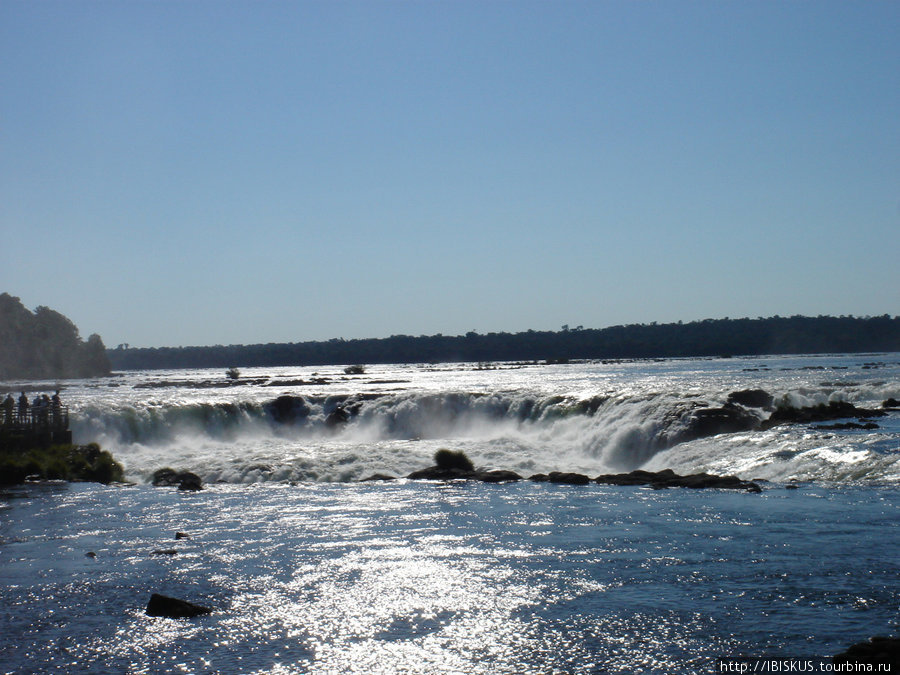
(45, 345)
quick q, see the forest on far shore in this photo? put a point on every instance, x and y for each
(710, 337)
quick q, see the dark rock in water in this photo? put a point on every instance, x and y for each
(453, 473)
(190, 481)
(90, 554)
(636, 477)
(497, 476)
(161, 605)
(182, 535)
(819, 413)
(185, 480)
(847, 426)
(165, 477)
(891, 403)
(728, 419)
(164, 551)
(337, 417)
(539, 478)
(378, 476)
(751, 398)
(450, 459)
(437, 473)
(568, 478)
(287, 409)
(876, 650)
(668, 478)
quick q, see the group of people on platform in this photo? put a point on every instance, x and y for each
(42, 409)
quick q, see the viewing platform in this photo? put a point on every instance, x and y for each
(34, 427)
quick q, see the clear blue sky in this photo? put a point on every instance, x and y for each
(193, 173)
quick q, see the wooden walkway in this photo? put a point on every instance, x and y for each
(34, 427)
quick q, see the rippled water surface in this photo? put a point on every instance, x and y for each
(441, 578)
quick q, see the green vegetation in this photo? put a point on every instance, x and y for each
(59, 462)
(453, 459)
(711, 337)
(45, 345)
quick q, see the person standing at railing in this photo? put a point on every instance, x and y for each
(38, 413)
(9, 405)
(23, 408)
(55, 408)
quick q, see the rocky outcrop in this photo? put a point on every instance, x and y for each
(453, 473)
(184, 480)
(848, 426)
(337, 418)
(496, 476)
(833, 410)
(751, 398)
(668, 478)
(875, 650)
(450, 459)
(728, 419)
(173, 608)
(287, 409)
(440, 473)
(567, 478)
(454, 465)
(657, 480)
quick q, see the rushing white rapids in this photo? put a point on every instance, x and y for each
(273, 424)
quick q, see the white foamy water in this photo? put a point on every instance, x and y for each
(587, 417)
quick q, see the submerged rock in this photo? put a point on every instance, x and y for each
(173, 608)
(377, 477)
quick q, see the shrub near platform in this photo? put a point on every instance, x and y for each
(59, 462)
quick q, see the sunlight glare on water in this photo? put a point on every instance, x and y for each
(440, 578)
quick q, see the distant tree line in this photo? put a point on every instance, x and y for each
(44, 344)
(710, 337)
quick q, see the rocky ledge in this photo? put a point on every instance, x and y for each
(456, 466)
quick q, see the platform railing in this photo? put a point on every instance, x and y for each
(35, 418)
